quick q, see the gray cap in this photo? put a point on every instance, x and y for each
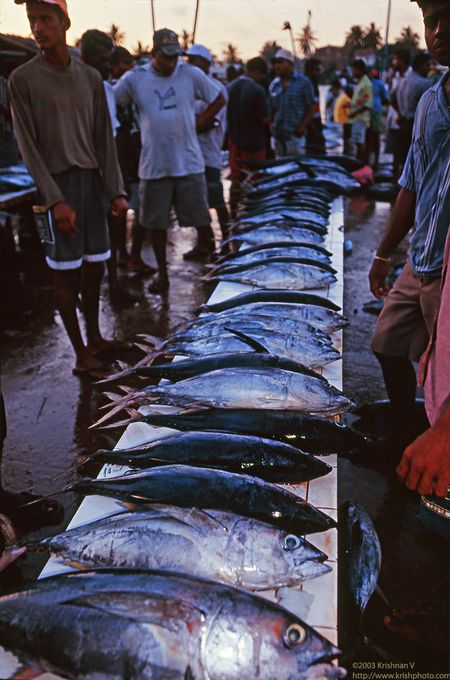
(167, 41)
(284, 54)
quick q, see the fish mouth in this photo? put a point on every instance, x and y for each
(328, 657)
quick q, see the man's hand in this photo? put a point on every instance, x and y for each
(425, 465)
(65, 218)
(377, 278)
(119, 206)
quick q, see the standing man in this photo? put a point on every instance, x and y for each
(171, 169)
(411, 306)
(360, 110)
(401, 67)
(315, 141)
(406, 98)
(291, 101)
(248, 124)
(64, 134)
(380, 99)
(425, 466)
(211, 141)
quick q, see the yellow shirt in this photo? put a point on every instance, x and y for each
(342, 108)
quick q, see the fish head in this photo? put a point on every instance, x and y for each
(252, 638)
(262, 555)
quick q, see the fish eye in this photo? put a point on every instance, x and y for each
(291, 542)
(294, 635)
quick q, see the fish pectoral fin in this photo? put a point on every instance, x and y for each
(248, 340)
(141, 607)
(200, 520)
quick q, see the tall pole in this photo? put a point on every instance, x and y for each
(152, 4)
(386, 41)
(197, 6)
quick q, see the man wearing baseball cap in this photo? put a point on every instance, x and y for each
(291, 100)
(412, 305)
(65, 137)
(211, 140)
(171, 169)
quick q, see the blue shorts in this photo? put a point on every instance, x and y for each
(359, 130)
(83, 191)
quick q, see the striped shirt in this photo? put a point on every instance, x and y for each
(289, 105)
(427, 173)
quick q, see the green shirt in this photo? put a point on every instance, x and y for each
(362, 96)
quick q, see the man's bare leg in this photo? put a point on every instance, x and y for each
(67, 286)
(159, 242)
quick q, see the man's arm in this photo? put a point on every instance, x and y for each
(206, 117)
(106, 152)
(32, 154)
(425, 465)
(400, 223)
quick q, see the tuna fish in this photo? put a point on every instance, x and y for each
(310, 433)
(188, 368)
(324, 319)
(281, 273)
(270, 388)
(280, 249)
(277, 232)
(217, 545)
(189, 487)
(157, 625)
(256, 456)
(284, 296)
(308, 350)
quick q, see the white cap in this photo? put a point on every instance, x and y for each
(200, 51)
(284, 54)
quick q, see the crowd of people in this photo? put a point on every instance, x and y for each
(100, 134)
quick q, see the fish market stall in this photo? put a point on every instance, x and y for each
(315, 600)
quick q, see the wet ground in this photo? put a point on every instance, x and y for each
(49, 411)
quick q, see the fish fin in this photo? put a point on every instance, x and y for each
(160, 611)
(144, 348)
(107, 416)
(198, 519)
(248, 340)
(150, 339)
(126, 389)
(194, 409)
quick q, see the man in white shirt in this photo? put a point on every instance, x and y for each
(171, 169)
(211, 141)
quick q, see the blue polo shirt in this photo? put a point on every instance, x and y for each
(290, 104)
(427, 173)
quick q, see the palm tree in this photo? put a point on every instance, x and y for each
(186, 39)
(116, 35)
(355, 38)
(307, 40)
(408, 39)
(141, 49)
(268, 51)
(231, 54)
(372, 37)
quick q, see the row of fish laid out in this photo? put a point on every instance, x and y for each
(209, 516)
(309, 174)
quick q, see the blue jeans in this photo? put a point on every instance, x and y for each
(435, 515)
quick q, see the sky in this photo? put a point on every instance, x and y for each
(245, 23)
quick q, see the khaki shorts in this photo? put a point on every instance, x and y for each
(188, 195)
(408, 317)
